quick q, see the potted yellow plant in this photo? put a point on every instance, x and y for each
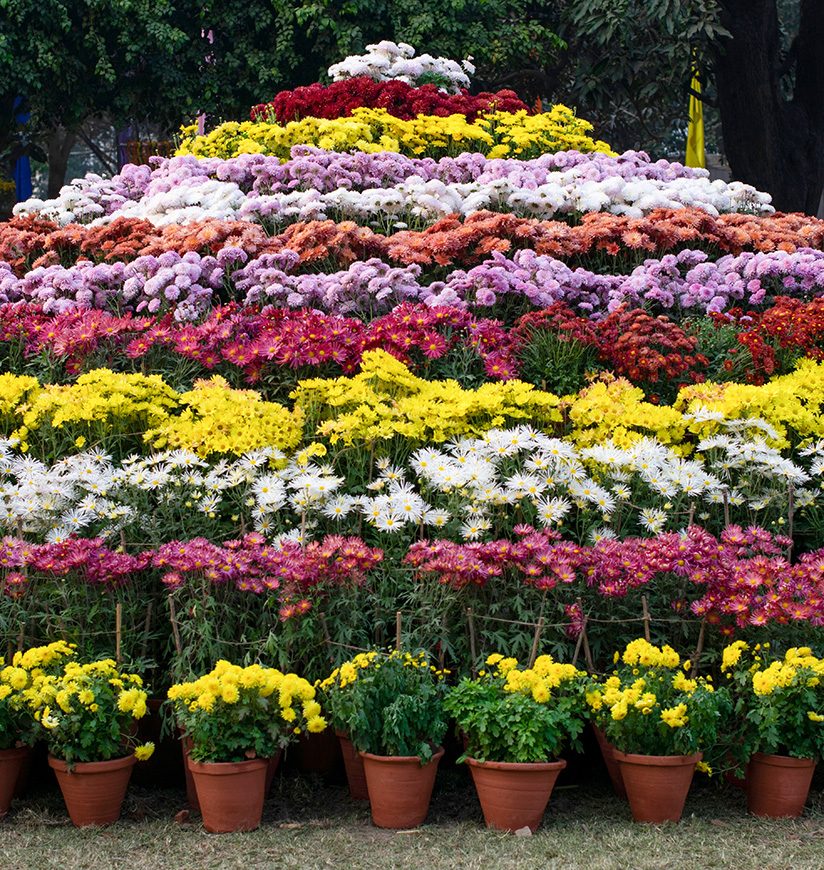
(87, 715)
(395, 717)
(779, 701)
(337, 703)
(18, 728)
(516, 722)
(659, 722)
(237, 720)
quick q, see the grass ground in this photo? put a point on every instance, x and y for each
(309, 824)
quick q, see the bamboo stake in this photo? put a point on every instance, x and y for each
(326, 636)
(578, 647)
(587, 651)
(146, 627)
(699, 648)
(175, 629)
(398, 629)
(790, 516)
(118, 630)
(535, 640)
(472, 650)
(646, 617)
(442, 651)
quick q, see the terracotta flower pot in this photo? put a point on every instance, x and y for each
(318, 753)
(514, 796)
(354, 768)
(11, 767)
(657, 785)
(272, 765)
(613, 768)
(230, 793)
(400, 788)
(778, 785)
(191, 791)
(93, 790)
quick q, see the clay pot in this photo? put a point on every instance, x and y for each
(613, 768)
(12, 762)
(657, 785)
(318, 753)
(778, 785)
(272, 765)
(400, 788)
(191, 791)
(514, 796)
(354, 768)
(230, 794)
(93, 790)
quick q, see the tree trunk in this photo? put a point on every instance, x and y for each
(774, 143)
(61, 142)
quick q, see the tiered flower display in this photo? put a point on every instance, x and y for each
(393, 359)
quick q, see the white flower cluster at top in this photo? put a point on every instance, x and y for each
(388, 60)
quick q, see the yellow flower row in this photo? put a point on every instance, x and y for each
(384, 400)
(497, 134)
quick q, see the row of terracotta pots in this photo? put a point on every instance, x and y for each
(777, 786)
(230, 796)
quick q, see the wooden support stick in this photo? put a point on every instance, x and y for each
(20, 638)
(326, 636)
(175, 629)
(535, 641)
(472, 650)
(577, 648)
(398, 629)
(699, 648)
(146, 628)
(118, 630)
(790, 516)
(442, 651)
(645, 607)
(587, 651)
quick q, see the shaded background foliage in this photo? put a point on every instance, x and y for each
(625, 64)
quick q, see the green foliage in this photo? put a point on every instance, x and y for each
(520, 716)
(556, 363)
(396, 707)
(630, 63)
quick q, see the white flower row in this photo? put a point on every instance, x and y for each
(414, 200)
(470, 489)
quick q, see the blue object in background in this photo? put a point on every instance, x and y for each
(22, 166)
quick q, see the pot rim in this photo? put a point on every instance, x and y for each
(658, 760)
(91, 766)
(783, 760)
(389, 759)
(15, 751)
(226, 768)
(515, 766)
